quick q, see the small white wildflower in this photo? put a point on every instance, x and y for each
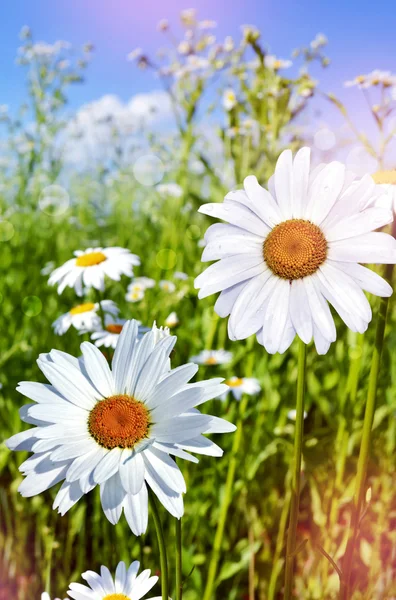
(172, 320)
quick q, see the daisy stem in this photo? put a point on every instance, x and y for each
(296, 471)
(360, 485)
(179, 560)
(219, 536)
(161, 545)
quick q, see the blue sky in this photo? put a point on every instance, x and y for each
(361, 34)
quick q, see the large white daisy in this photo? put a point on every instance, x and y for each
(286, 253)
(116, 427)
(127, 584)
(89, 268)
(84, 317)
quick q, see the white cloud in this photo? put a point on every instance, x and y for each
(98, 126)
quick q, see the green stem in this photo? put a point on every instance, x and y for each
(218, 540)
(296, 471)
(179, 560)
(360, 490)
(162, 547)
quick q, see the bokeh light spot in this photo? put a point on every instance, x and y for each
(324, 139)
(32, 306)
(148, 170)
(166, 258)
(193, 232)
(6, 231)
(54, 200)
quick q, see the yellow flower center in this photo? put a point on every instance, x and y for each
(211, 361)
(234, 382)
(116, 597)
(277, 64)
(90, 259)
(118, 422)
(295, 249)
(360, 78)
(82, 308)
(385, 177)
(113, 328)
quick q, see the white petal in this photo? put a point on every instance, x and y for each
(164, 469)
(112, 495)
(70, 383)
(276, 315)
(123, 355)
(107, 466)
(68, 495)
(136, 511)
(226, 300)
(98, 369)
(324, 192)
(320, 310)
(358, 224)
(264, 204)
(132, 471)
(171, 500)
(367, 279)
(248, 311)
(375, 247)
(301, 167)
(227, 272)
(300, 312)
(176, 405)
(283, 178)
(171, 383)
(236, 214)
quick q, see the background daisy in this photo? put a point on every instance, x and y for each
(212, 357)
(238, 386)
(84, 317)
(90, 267)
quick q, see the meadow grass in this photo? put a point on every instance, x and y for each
(41, 550)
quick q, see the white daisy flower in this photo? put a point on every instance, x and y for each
(89, 268)
(116, 427)
(172, 320)
(386, 184)
(127, 584)
(141, 283)
(288, 252)
(108, 337)
(272, 62)
(180, 275)
(169, 189)
(292, 414)
(360, 81)
(212, 357)
(46, 596)
(167, 286)
(229, 99)
(48, 268)
(241, 385)
(135, 294)
(84, 317)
